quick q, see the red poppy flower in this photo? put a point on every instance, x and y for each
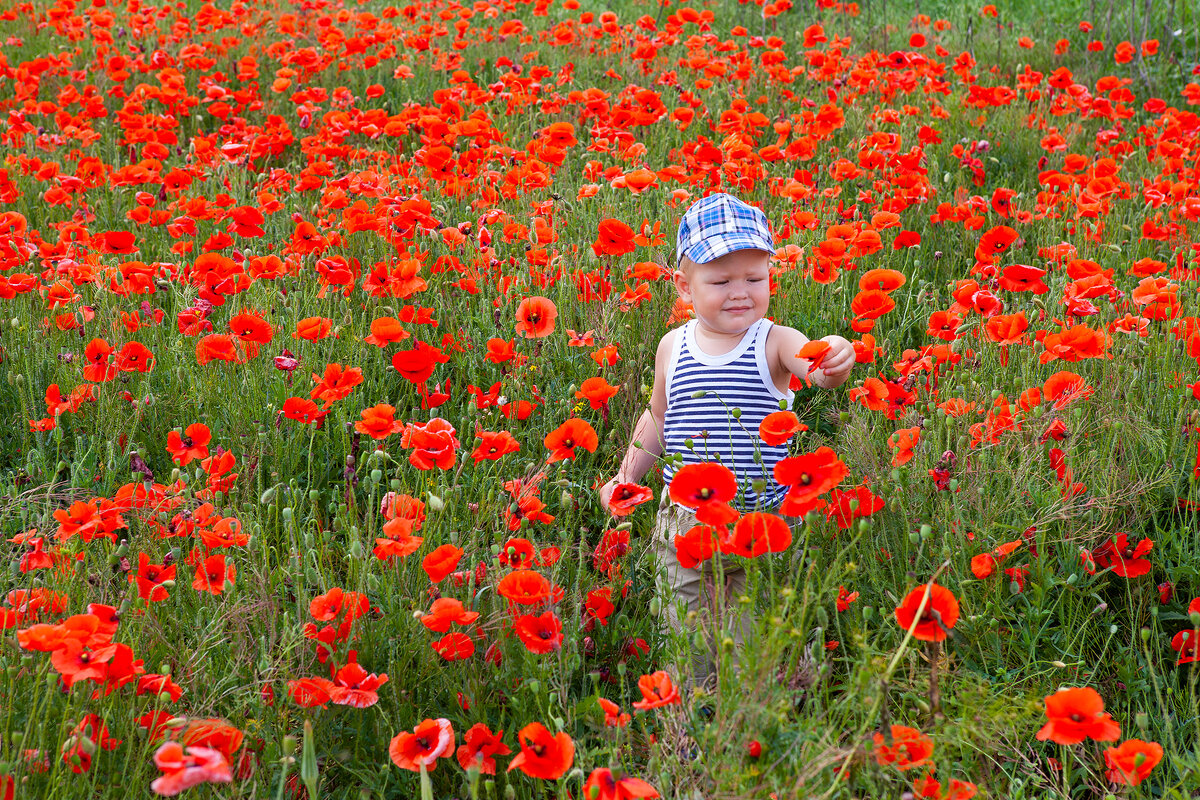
(192, 445)
(626, 497)
(212, 573)
(757, 533)
(779, 426)
(541, 634)
(562, 441)
(117, 242)
(694, 484)
(1076, 714)
(354, 686)
(454, 646)
(807, 477)
(535, 317)
(134, 357)
(430, 740)
(417, 365)
(543, 755)
(479, 745)
(614, 238)
(696, 545)
(98, 368)
(940, 612)
(441, 562)
(602, 784)
(1125, 559)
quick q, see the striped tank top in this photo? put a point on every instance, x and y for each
(741, 379)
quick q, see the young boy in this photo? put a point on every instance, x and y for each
(740, 360)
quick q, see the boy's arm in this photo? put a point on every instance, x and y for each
(647, 432)
(835, 366)
(649, 428)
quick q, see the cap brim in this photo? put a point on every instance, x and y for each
(703, 252)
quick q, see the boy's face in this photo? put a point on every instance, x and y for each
(730, 293)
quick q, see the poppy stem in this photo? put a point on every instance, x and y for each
(935, 696)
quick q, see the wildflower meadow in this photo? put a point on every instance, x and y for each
(323, 323)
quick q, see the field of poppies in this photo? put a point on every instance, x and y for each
(323, 323)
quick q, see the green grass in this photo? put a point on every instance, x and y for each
(313, 515)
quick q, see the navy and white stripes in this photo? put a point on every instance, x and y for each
(739, 379)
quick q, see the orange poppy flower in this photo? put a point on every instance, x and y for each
(909, 748)
(871, 304)
(657, 690)
(779, 426)
(939, 615)
(884, 280)
(379, 422)
(1074, 344)
(215, 733)
(1064, 388)
(447, 611)
(602, 784)
(524, 587)
(535, 317)
(543, 755)
(814, 352)
(1133, 761)
(385, 331)
(903, 441)
(313, 328)
(1077, 714)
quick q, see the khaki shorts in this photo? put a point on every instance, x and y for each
(691, 600)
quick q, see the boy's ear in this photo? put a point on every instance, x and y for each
(682, 285)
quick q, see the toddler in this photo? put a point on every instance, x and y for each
(739, 360)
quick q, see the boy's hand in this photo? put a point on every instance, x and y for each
(838, 361)
(606, 493)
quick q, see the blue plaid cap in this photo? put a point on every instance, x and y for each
(719, 224)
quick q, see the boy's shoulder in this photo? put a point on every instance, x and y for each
(670, 336)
